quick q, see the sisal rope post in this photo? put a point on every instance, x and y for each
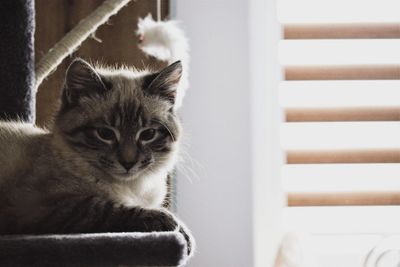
(158, 10)
(75, 37)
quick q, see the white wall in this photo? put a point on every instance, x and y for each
(217, 204)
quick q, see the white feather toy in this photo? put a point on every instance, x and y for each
(165, 41)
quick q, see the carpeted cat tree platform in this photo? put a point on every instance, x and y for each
(17, 100)
(97, 250)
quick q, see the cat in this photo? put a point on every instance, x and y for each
(103, 167)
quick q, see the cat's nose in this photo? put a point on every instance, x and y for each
(127, 164)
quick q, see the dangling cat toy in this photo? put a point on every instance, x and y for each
(165, 41)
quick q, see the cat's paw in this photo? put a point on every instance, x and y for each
(159, 221)
(189, 239)
(162, 220)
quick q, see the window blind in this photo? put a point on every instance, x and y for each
(341, 98)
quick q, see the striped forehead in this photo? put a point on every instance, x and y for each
(127, 114)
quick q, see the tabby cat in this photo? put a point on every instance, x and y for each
(103, 167)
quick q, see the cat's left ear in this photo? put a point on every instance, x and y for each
(165, 83)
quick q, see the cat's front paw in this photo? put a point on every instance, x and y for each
(159, 221)
(189, 239)
(163, 220)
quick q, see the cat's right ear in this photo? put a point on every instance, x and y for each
(165, 83)
(81, 80)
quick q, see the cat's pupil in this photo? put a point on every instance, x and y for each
(148, 134)
(105, 133)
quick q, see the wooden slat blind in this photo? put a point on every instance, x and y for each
(296, 199)
(343, 156)
(352, 72)
(341, 114)
(342, 31)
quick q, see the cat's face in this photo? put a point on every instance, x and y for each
(121, 122)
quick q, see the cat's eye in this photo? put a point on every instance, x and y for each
(105, 134)
(147, 135)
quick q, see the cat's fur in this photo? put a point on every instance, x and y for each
(72, 179)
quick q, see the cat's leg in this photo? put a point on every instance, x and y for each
(191, 244)
(77, 214)
(91, 214)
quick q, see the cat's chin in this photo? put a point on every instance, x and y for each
(125, 176)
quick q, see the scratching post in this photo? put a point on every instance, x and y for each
(17, 100)
(75, 37)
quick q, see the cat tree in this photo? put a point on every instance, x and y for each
(17, 101)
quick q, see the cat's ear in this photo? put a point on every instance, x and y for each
(165, 83)
(81, 80)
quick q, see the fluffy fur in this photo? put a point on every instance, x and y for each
(103, 167)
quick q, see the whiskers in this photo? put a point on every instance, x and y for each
(187, 166)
